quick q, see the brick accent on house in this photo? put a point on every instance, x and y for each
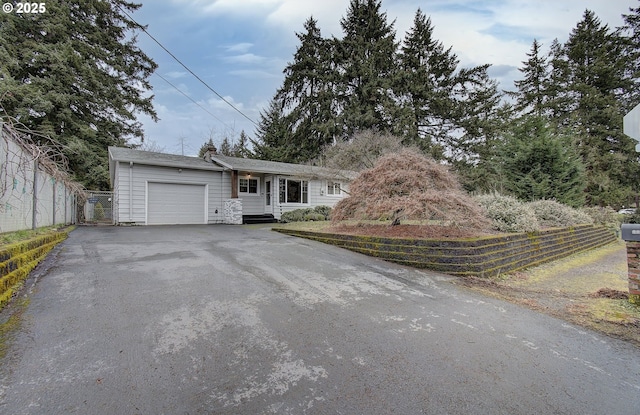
(633, 262)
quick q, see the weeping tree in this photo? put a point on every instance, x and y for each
(408, 185)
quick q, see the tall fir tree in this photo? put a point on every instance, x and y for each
(76, 74)
(241, 147)
(630, 32)
(226, 148)
(425, 89)
(365, 63)
(558, 103)
(273, 135)
(596, 84)
(308, 96)
(531, 95)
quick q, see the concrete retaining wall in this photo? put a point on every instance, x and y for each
(485, 256)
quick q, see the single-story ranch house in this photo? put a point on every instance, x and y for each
(155, 188)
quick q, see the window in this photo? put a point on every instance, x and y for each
(333, 188)
(248, 186)
(268, 192)
(294, 191)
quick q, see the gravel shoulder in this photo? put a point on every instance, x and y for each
(589, 289)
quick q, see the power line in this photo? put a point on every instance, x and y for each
(190, 99)
(186, 67)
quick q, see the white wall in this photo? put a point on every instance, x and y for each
(55, 203)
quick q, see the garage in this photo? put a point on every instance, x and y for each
(176, 203)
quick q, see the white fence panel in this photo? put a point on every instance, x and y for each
(28, 182)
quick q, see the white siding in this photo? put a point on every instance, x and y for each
(131, 187)
(252, 204)
(319, 196)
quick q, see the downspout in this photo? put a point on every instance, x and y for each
(221, 193)
(131, 191)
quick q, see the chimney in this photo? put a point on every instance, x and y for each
(210, 151)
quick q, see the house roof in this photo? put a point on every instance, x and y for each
(220, 162)
(275, 167)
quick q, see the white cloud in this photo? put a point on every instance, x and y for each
(239, 47)
(230, 7)
(247, 58)
(255, 74)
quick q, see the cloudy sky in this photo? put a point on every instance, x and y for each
(239, 48)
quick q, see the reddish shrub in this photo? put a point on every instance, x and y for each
(409, 185)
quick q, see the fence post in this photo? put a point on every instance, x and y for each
(34, 217)
(53, 182)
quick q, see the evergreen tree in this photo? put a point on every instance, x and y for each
(308, 96)
(274, 135)
(76, 74)
(425, 89)
(531, 95)
(557, 101)
(535, 163)
(596, 84)
(481, 119)
(240, 149)
(630, 32)
(365, 63)
(226, 148)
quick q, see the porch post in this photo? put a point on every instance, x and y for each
(234, 184)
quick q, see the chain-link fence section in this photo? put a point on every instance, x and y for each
(98, 208)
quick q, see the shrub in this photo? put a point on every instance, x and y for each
(602, 215)
(313, 216)
(630, 218)
(508, 214)
(98, 211)
(325, 211)
(306, 214)
(295, 215)
(551, 214)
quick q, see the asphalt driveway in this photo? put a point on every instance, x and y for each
(242, 320)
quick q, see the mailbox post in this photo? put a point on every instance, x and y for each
(631, 234)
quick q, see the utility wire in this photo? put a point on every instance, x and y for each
(185, 67)
(191, 99)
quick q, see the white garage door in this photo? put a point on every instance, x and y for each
(175, 203)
